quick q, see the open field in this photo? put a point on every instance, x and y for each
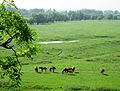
(97, 46)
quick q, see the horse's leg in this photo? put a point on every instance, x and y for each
(45, 69)
(50, 69)
(41, 69)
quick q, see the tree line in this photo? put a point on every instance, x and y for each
(39, 16)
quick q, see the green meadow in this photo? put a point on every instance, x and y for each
(97, 46)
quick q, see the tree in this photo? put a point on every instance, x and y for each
(15, 37)
(116, 15)
(109, 16)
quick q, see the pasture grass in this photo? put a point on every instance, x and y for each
(98, 47)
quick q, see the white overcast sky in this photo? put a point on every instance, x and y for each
(69, 4)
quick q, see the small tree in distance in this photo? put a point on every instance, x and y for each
(15, 37)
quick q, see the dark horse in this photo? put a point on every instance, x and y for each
(102, 71)
(36, 69)
(52, 69)
(70, 70)
(43, 68)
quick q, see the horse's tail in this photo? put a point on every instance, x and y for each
(36, 69)
(63, 71)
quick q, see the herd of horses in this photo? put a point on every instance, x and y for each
(52, 69)
(65, 70)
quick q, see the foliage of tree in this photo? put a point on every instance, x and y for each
(15, 37)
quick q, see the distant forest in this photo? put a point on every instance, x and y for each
(40, 16)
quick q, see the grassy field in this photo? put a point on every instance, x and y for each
(97, 46)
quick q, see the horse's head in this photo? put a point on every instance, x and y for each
(73, 68)
(53, 67)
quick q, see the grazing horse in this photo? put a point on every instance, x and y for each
(52, 69)
(102, 70)
(43, 68)
(70, 70)
(36, 69)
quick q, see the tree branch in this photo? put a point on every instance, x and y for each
(16, 57)
(8, 41)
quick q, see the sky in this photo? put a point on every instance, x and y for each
(69, 4)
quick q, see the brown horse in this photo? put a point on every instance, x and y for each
(52, 69)
(43, 68)
(70, 70)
